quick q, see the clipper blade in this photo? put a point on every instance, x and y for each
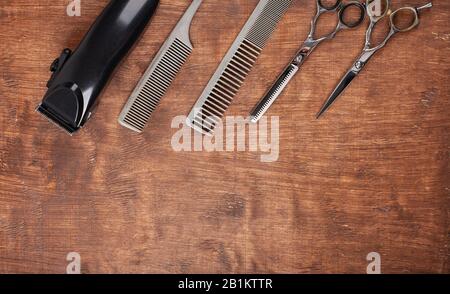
(53, 119)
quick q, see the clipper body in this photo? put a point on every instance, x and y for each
(79, 77)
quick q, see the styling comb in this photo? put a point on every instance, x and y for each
(236, 65)
(160, 74)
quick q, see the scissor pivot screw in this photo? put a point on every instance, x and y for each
(359, 65)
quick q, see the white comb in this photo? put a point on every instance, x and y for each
(236, 65)
(160, 74)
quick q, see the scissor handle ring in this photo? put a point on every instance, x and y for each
(330, 8)
(414, 24)
(362, 15)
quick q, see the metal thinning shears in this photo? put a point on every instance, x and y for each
(345, 21)
(376, 15)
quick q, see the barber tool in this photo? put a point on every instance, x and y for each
(345, 21)
(160, 74)
(396, 26)
(79, 77)
(236, 65)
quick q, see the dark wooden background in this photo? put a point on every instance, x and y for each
(373, 175)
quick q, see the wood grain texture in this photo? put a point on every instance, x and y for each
(373, 175)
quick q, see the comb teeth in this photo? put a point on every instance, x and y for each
(154, 86)
(227, 87)
(236, 65)
(267, 101)
(266, 23)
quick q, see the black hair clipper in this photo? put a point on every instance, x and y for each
(79, 77)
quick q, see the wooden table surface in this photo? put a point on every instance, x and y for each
(371, 176)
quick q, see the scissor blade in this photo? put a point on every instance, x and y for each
(344, 83)
(275, 91)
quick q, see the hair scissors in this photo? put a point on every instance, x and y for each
(369, 50)
(311, 43)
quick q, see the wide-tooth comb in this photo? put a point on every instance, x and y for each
(160, 74)
(236, 65)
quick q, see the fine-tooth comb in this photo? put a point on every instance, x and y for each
(160, 74)
(236, 65)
